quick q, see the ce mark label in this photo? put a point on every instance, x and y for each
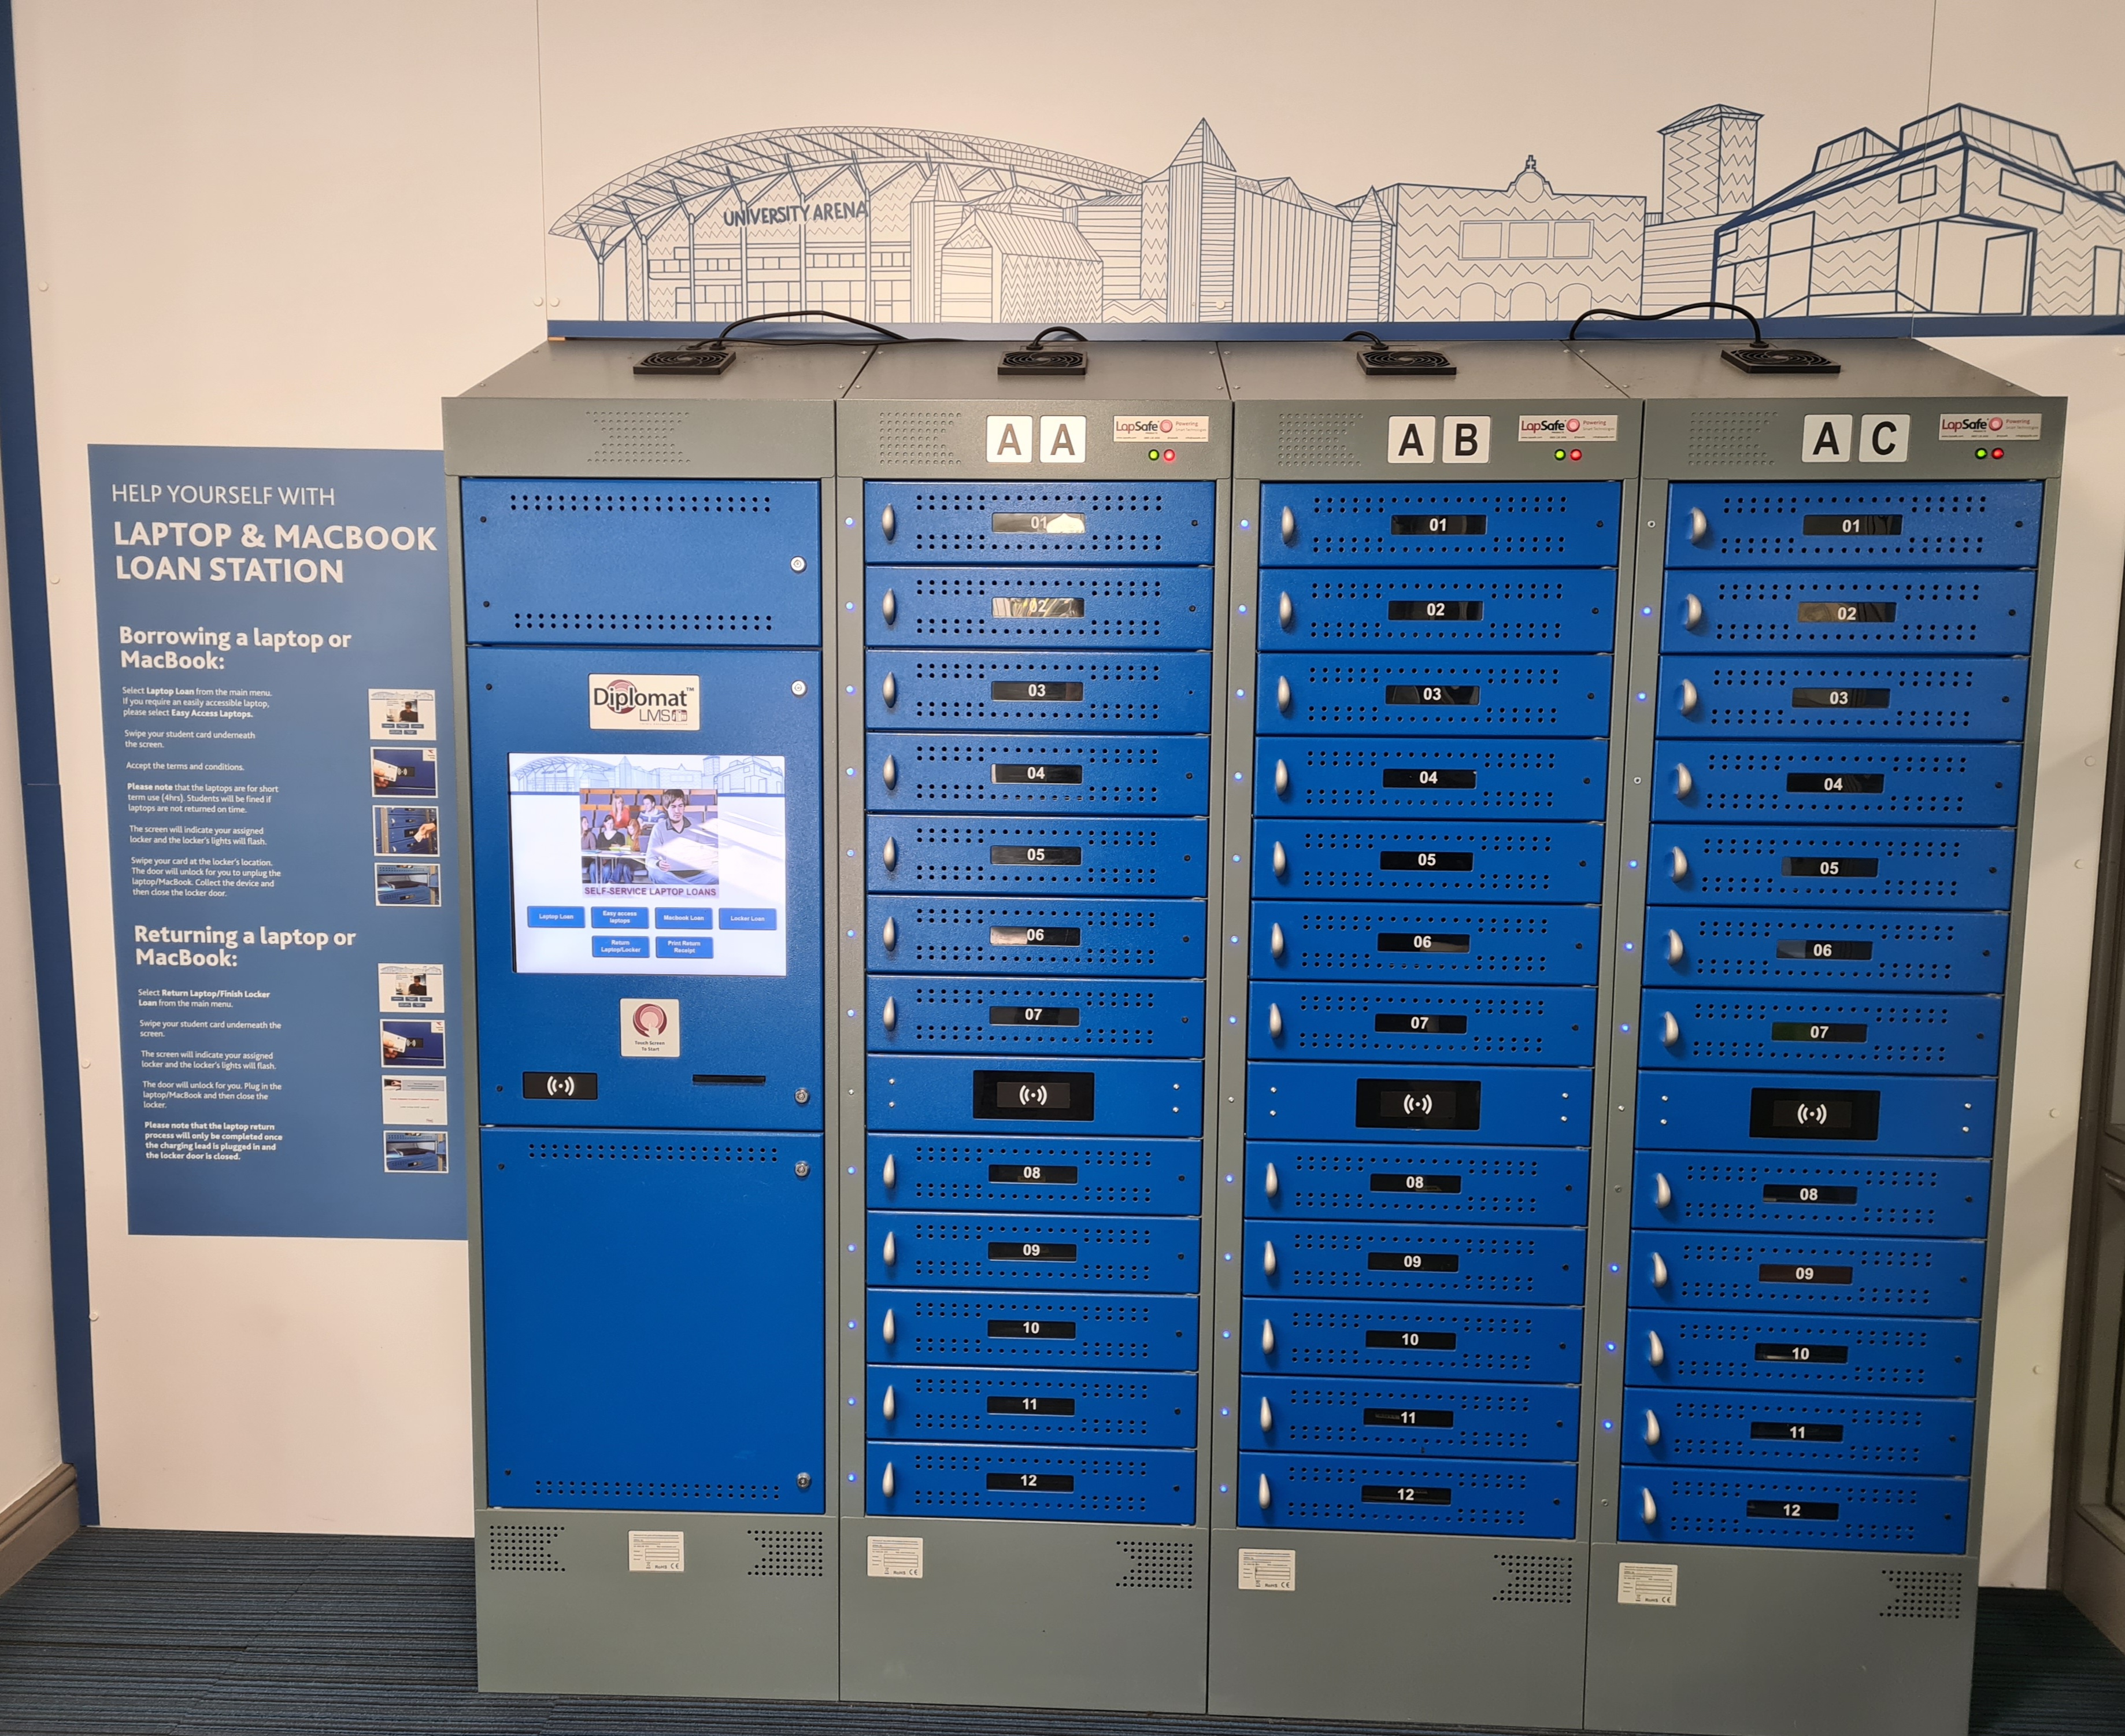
(564, 1087)
(1458, 439)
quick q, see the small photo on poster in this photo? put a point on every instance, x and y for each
(402, 713)
(417, 1100)
(407, 832)
(402, 771)
(409, 989)
(408, 883)
(413, 1043)
(415, 1152)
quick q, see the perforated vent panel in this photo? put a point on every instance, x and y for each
(1731, 439)
(653, 1148)
(1918, 1594)
(1316, 439)
(1155, 1566)
(566, 1491)
(1536, 1579)
(524, 1548)
(637, 437)
(787, 1554)
(686, 497)
(917, 436)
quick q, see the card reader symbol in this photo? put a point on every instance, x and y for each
(581, 1087)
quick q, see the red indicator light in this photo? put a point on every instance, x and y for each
(1999, 451)
(1577, 454)
(1169, 454)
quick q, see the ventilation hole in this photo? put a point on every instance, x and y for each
(917, 436)
(1320, 440)
(637, 437)
(784, 1555)
(1157, 1566)
(1734, 439)
(563, 1489)
(1536, 1579)
(523, 1549)
(1922, 1594)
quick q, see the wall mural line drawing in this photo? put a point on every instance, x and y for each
(1964, 212)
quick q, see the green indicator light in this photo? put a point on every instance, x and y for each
(1981, 452)
(1560, 452)
(1152, 455)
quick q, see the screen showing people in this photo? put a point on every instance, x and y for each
(672, 863)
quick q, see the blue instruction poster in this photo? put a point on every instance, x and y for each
(274, 628)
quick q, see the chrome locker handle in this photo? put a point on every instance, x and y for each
(1678, 867)
(890, 1254)
(888, 690)
(1283, 696)
(888, 605)
(890, 773)
(890, 856)
(889, 1016)
(1280, 864)
(888, 522)
(1268, 1339)
(885, 1484)
(1686, 786)
(1700, 527)
(1285, 614)
(1690, 698)
(1276, 939)
(1275, 1021)
(891, 1406)
(1262, 1493)
(890, 934)
(1648, 1508)
(889, 1330)
(1663, 1195)
(1271, 1186)
(890, 1175)
(1288, 527)
(1655, 1351)
(1652, 1430)
(1267, 1422)
(1670, 1030)
(1674, 947)
(1283, 779)
(1660, 1273)
(1269, 1259)
(1693, 610)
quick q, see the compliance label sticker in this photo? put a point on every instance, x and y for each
(1582, 428)
(895, 1558)
(1158, 431)
(656, 1552)
(1984, 425)
(1269, 1570)
(1646, 1582)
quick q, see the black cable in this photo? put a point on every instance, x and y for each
(1033, 343)
(1756, 343)
(810, 313)
(1378, 343)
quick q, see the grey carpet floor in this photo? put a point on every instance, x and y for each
(193, 1633)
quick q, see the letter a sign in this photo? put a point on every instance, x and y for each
(1411, 440)
(1825, 440)
(1010, 440)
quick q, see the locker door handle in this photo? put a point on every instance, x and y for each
(891, 1406)
(1693, 610)
(1267, 1422)
(1700, 527)
(1674, 949)
(1659, 1271)
(890, 1175)
(889, 772)
(1652, 1430)
(1276, 939)
(888, 690)
(1663, 1195)
(1288, 528)
(888, 605)
(890, 934)
(885, 1483)
(1648, 1509)
(1655, 1351)
(1690, 697)
(1262, 1493)
(1282, 697)
(1268, 1339)
(890, 1016)
(890, 1330)
(1686, 786)
(1285, 614)
(1670, 1030)
(1269, 1259)
(1678, 867)
(1280, 864)
(890, 1254)
(890, 856)
(888, 521)
(1283, 779)
(1275, 1021)
(1270, 1185)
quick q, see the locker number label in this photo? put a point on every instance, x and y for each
(1879, 438)
(1647, 1582)
(1455, 440)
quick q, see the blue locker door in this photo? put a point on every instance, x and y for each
(622, 985)
(656, 1321)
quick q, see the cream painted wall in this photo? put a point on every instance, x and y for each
(284, 222)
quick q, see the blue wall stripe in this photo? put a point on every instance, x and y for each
(43, 809)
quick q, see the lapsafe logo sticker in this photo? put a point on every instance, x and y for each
(645, 702)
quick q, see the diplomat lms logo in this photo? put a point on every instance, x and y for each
(645, 702)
